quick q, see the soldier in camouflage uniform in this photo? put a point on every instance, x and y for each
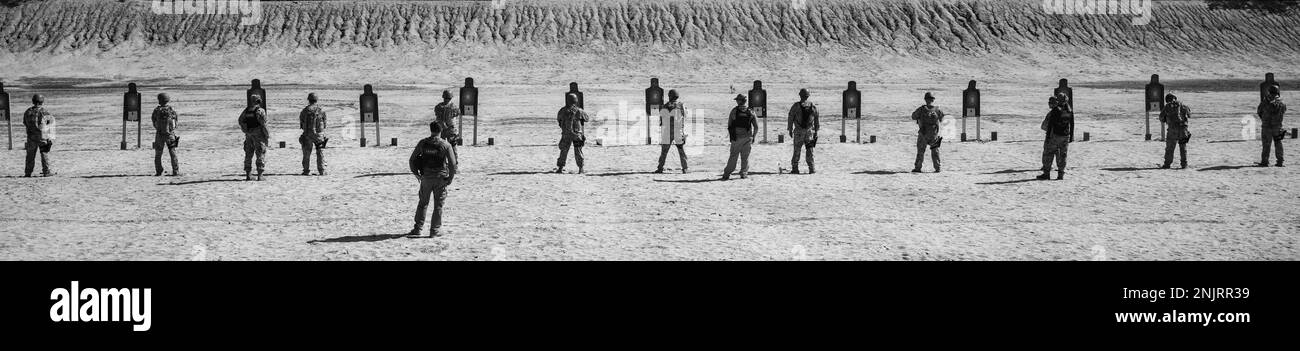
(1175, 116)
(1271, 113)
(446, 113)
(312, 122)
(40, 136)
(802, 124)
(434, 165)
(1059, 126)
(256, 136)
(164, 124)
(571, 119)
(927, 117)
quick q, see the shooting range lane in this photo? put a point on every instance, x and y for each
(501, 208)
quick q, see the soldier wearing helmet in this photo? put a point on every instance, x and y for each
(1059, 126)
(445, 114)
(164, 124)
(572, 119)
(40, 136)
(256, 136)
(1271, 132)
(313, 123)
(1175, 115)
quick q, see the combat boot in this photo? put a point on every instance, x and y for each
(247, 175)
(726, 177)
(794, 170)
(659, 171)
(259, 176)
(1044, 176)
(580, 171)
(306, 172)
(683, 170)
(916, 170)
(1164, 166)
(1060, 175)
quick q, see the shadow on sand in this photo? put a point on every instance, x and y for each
(360, 239)
(208, 181)
(380, 175)
(1010, 182)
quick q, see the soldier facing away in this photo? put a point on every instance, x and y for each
(572, 119)
(1059, 125)
(313, 123)
(741, 128)
(164, 124)
(1174, 114)
(434, 165)
(674, 130)
(445, 113)
(1270, 113)
(40, 136)
(927, 119)
(256, 136)
(802, 124)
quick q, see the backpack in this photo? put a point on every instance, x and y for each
(805, 115)
(1063, 124)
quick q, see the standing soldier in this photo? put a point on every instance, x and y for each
(1175, 116)
(1059, 124)
(927, 119)
(164, 124)
(313, 124)
(256, 137)
(572, 119)
(802, 125)
(40, 136)
(445, 113)
(675, 113)
(1271, 113)
(434, 165)
(741, 127)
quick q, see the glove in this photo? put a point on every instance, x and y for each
(175, 142)
(324, 140)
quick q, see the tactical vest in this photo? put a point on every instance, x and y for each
(164, 118)
(250, 119)
(805, 116)
(431, 156)
(743, 118)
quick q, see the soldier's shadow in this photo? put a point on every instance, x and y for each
(359, 238)
(1011, 182)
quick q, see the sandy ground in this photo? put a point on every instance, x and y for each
(861, 205)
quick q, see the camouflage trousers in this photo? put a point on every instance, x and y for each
(802, 143)
(164, 141)
(254, 148)
(307, 146)
(1055, 147)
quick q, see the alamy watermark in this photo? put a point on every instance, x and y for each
(250, 11)
(1139, 8)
